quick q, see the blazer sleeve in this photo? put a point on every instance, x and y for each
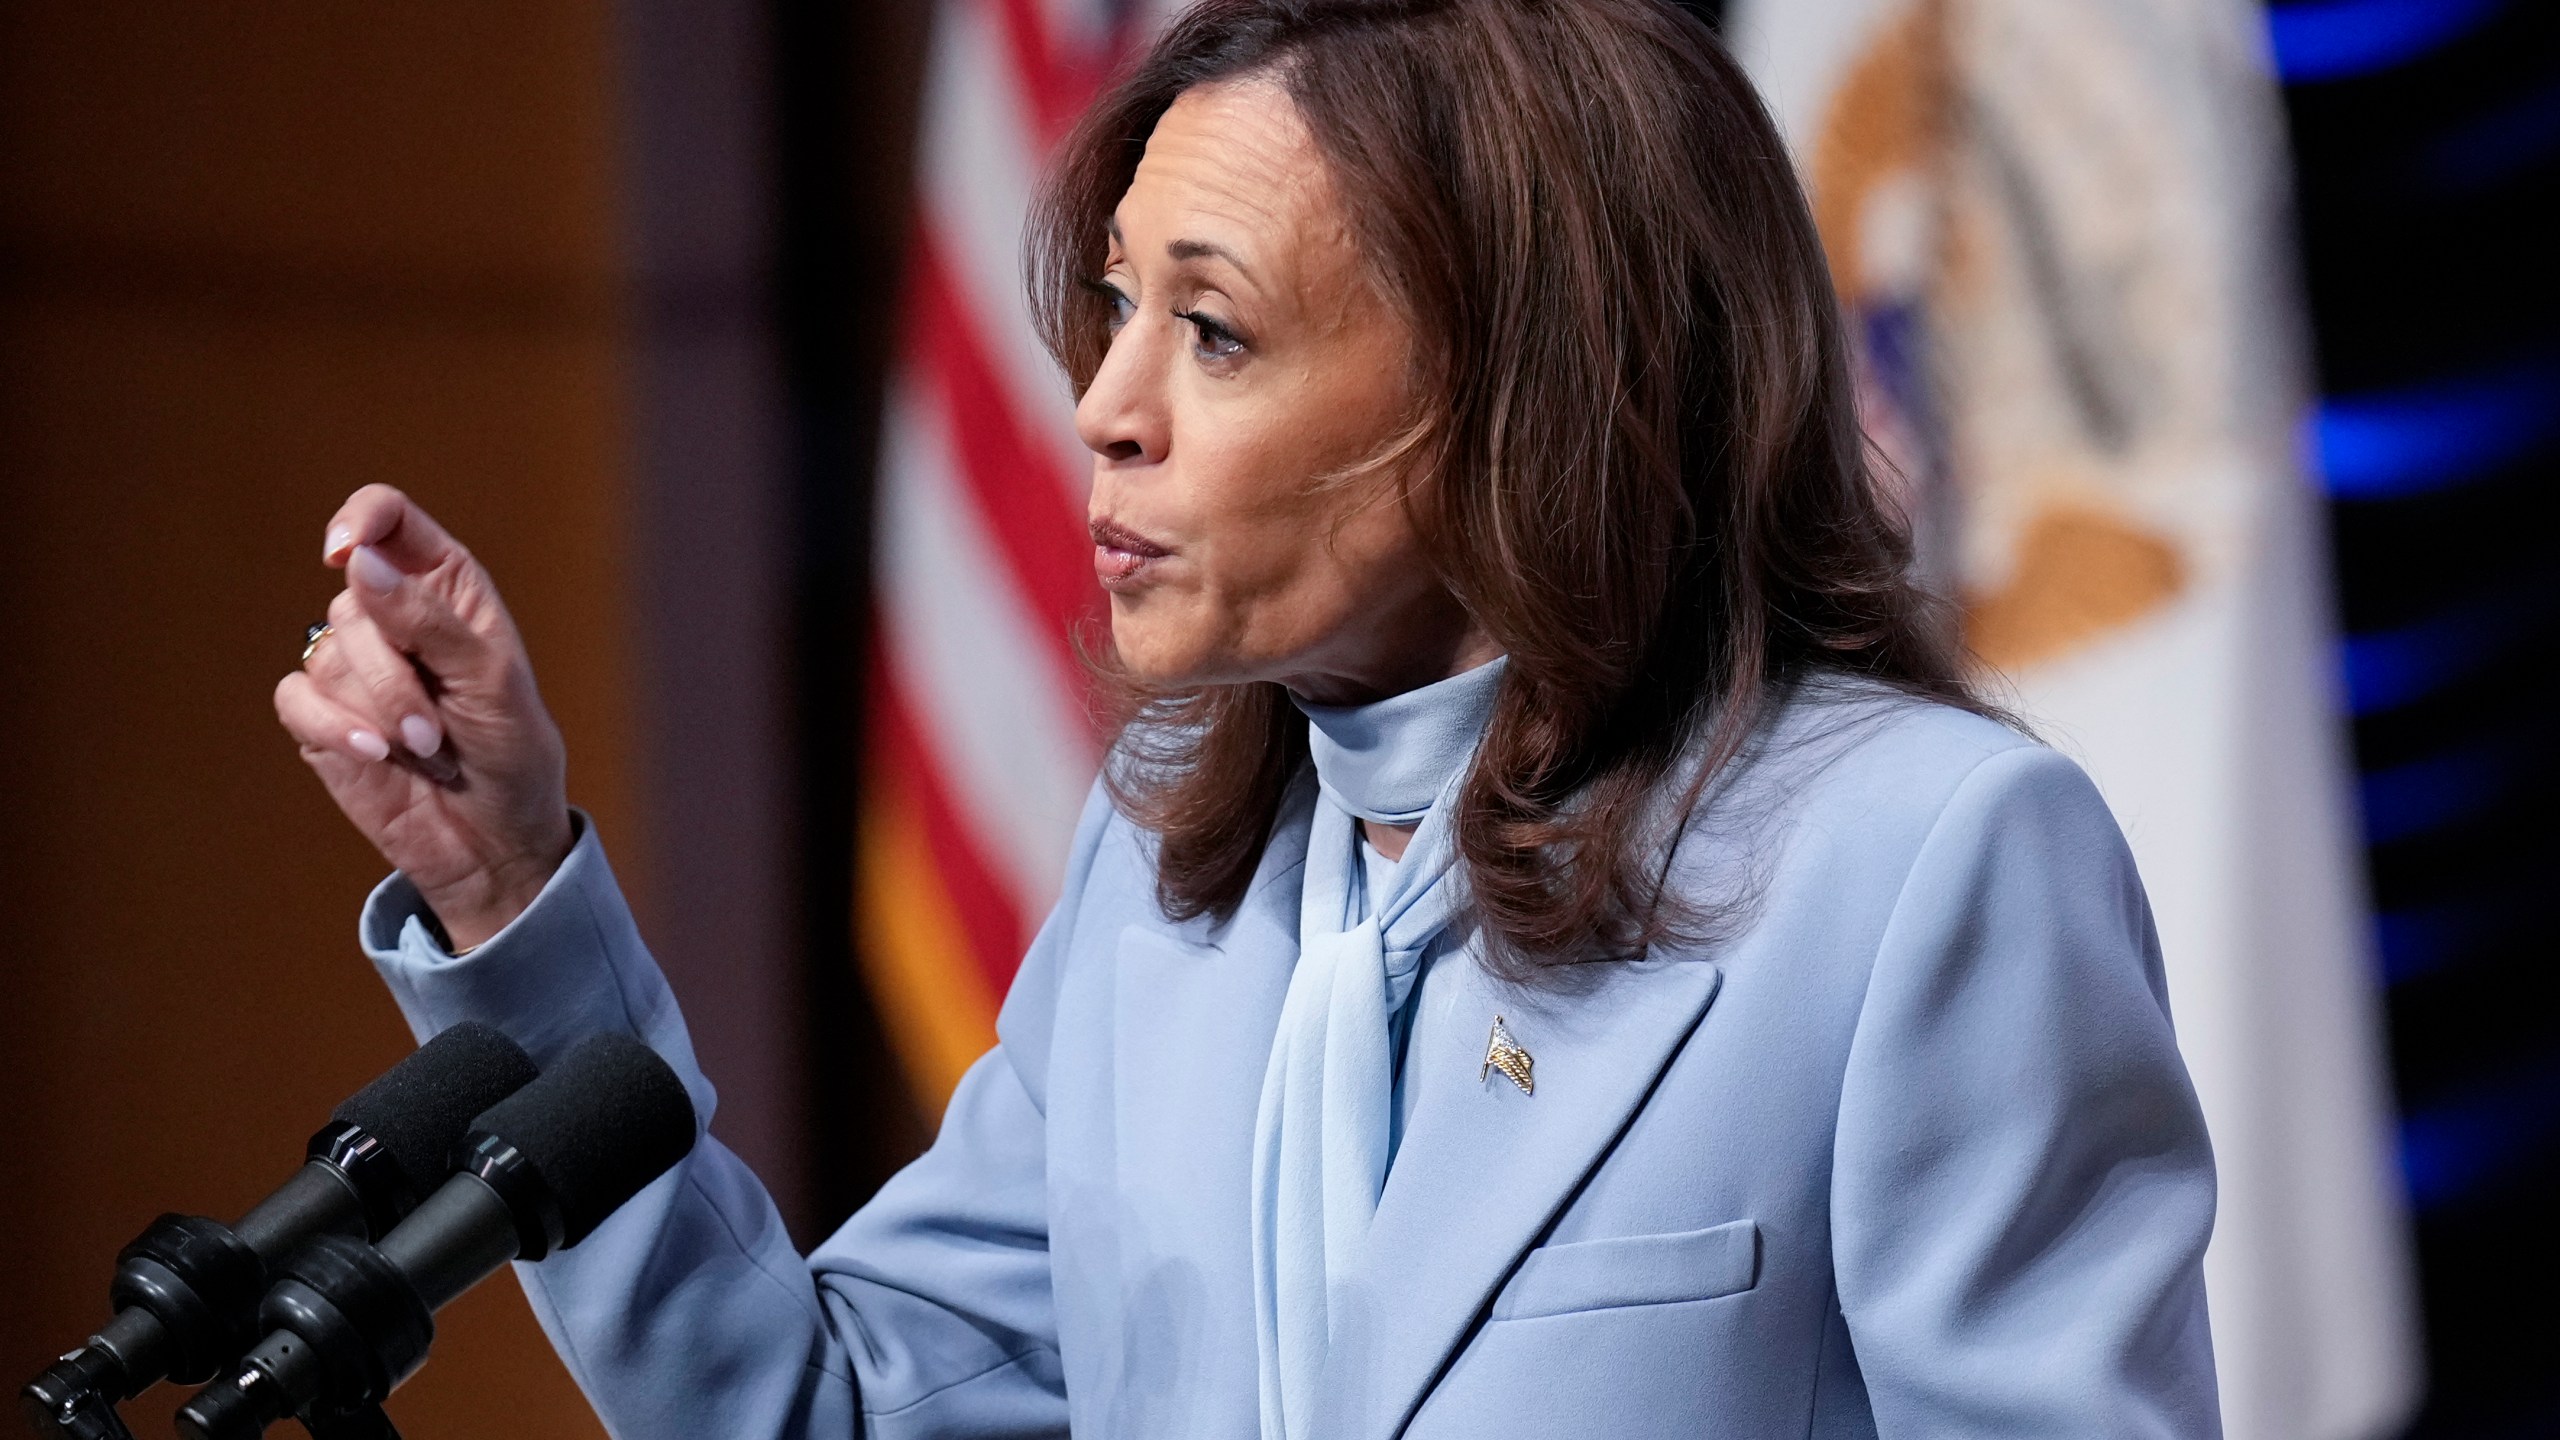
(2022, 1187)
(690, 1312)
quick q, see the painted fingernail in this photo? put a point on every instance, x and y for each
(372, 571)
(421, 735)
(339, 542)
(368, 745)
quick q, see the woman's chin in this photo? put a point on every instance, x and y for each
(1164, 656)
(1148, 653)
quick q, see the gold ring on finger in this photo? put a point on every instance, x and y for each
(312, 635)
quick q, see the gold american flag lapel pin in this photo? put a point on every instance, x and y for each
(1503, 1053)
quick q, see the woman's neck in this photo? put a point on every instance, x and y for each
(1393, 669)
(1388, 840)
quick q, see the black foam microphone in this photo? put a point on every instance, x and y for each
(348, 1322)
(186, 1290)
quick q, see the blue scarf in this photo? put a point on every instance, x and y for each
(1323, 1135)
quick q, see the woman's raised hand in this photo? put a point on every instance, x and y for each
(418, 711)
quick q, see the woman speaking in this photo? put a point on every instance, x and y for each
(1556, 950)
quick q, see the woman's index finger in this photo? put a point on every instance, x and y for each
(392, 524)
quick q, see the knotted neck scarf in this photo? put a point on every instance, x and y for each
(1324, 1133)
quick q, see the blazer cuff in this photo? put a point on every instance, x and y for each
(571, 965)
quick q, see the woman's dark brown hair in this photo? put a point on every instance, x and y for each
(1637, 461)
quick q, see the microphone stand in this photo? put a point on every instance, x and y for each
(84, 1413)
(87, 1414)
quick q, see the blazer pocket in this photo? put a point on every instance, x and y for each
(1633, 1270)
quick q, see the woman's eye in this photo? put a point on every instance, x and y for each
(1210, 340)
(1122, 307)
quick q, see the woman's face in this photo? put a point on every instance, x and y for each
(1252, 367)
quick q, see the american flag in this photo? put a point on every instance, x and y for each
(982, 742)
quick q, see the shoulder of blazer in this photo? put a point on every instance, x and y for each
(1861, 765)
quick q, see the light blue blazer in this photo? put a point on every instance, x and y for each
(1904, 1148)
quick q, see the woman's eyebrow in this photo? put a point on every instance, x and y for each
(1204, 250)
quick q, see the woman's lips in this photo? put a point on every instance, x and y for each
(1121, 555)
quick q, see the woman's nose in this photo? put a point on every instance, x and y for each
(1121, 417)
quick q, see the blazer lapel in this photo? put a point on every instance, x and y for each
(1193, 1008)
(1191, 1026)
(1485, 1169)
(1193, 1011)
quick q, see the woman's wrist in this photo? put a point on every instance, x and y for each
(478, 907)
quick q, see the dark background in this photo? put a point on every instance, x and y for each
(2425, 188)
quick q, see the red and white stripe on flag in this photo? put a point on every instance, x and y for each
(980, 743)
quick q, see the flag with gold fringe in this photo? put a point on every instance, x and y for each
(2058, 228)
(980, 743)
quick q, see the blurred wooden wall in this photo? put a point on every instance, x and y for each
(250, 258)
